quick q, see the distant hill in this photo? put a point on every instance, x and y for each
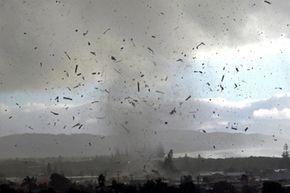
(48, 145)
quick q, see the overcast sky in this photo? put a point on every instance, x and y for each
(127, 65)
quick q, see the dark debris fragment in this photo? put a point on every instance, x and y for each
(67, 55)
(150, 50)
(173, 111)
(125, 128)
(106, 31)
(85, 33)
(54, 113)
(67, 98)
(188, 98)
(200, 45)
(234, 128)
(76, 125)
(113, 58)
(138, 86)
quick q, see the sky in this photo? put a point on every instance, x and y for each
(111, 66)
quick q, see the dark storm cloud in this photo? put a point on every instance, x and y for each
(39, 40)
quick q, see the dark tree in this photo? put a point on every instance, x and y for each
(285, 161)
(48, 169)
(187, 186)
(4, 188)
(249, 189)
(272, 187)
(223, 187)
(168, 162)
(285, 153)
(101, 180)
(59, 182)
(29, 183)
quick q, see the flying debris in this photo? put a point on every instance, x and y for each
(76, 86)
(179, 60)
(66, 73)
(106, 31)
(126, 129)
(131, 101)
(200, 45)
(204, 131)
(234, 128)
(222, 78)
(113, 58)
(67, 98)
(85, 33)
(150, 50)
(80, 126)
(188, 98)
(76, 125)
(93, 53)
(268, 2)
(246, 129)
(76, 68)
(54, 113)
(158, 91)
(132, 40)
(67, 55)
(173, 111)
(57, 99)
(138, 86)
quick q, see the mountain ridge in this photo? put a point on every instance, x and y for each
(78, 145)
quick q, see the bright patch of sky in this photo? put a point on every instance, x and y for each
(254, 71)
(249, 72)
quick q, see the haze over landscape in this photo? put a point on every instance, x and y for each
(83, 78)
